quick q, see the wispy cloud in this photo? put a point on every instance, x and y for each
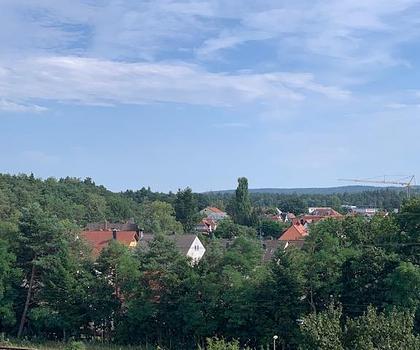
(94, 81)
(10, 106)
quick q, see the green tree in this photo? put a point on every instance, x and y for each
(158, 217)
(42, 244)
(222, 344)
(269, 228)
(322, 331)
(228, 229)
(381, 331)
(186, 209)
(280, 299)
(241, 206)
(364, 279)
(8, 282)
(409, 220)
(119, 273)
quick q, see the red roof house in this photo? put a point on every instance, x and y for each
(98, 240)
(295, 232)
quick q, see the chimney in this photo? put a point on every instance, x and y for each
(114, 234)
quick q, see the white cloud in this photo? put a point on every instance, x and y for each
(94, 81)
(10, 106)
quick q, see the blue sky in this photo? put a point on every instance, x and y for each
(170, 94)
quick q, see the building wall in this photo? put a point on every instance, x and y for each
(196, 250)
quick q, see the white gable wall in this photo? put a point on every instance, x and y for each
(196, 250)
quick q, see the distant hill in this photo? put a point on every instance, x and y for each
(318, 190)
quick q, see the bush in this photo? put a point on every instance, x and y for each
(75, 345)
(221, 344)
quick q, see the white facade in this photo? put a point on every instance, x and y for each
(196, 250)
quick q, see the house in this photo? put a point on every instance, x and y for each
(317, 214)
(290, 217)
(276, 216)
(206, 226)
(271, 246)
(214, 213)
(296, 232)
(367, 212)
(324, 211)
(189, 245)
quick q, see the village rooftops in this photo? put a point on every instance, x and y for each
(188, 244)
(324, 211)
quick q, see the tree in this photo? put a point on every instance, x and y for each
(409, 220)
(154, 312)
(370, 331)
(381, 331)
(221, 344)
(322, 331)
(269, 228)
(364, 279)
(280, 298)
(403, 285)
(41, 244)
(158, 217)
(118, 273)
(241, 206)
(186, 209)
(325, 252)
(9, 274)
(228, 229)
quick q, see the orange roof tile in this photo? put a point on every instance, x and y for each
(100, 239)
(294, 233)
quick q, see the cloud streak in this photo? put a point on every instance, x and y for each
(10, 106)
(94, 81)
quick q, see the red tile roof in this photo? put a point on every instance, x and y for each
(294, 233)
(100, 239)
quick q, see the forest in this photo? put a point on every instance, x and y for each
(355, 284)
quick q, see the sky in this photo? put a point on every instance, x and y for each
(169, 93)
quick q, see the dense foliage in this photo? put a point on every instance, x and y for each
(354, 285)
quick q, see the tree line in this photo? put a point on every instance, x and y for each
(355, 284)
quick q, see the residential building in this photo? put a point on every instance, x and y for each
(296, 232)
(206, 226)
(317, 214)
(189, 245)
(214, 213)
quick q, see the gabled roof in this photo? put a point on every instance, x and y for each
(215, 210)
(325, 212)
(295, 232)
(182, 242)
(100, 239)
(270, 247)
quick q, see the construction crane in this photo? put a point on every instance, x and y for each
(406, 181)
